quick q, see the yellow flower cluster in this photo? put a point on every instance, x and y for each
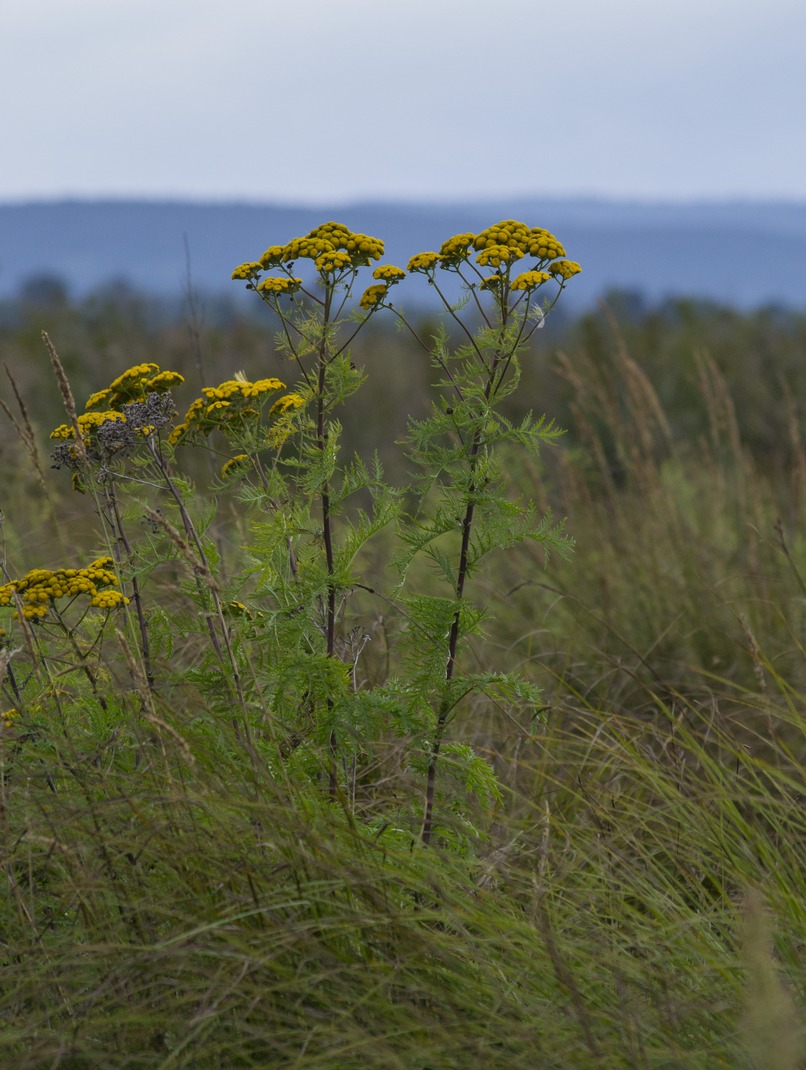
(9, 717)
(285, 403)
(278, 285)
(492, 282)
(40, 587)
(508, 232)
(389, 274)
(566, 269)
(284, 423)
(87, 423)
(223, 404)
(423, 262)
(500, 246)
(373, 296)
(333, 260)
(308, 248)
(529, 280)
(136, 405)
(519, 239)
(336, 233)
(241, 387)
(273, 257)
(247, 271)
(361, 248)
(333, 247)
(135, 384)
(455, 249)
(495, 255)
(544, 246)
(233, 463)
(108, 600)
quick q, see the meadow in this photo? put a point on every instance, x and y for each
(484, 750)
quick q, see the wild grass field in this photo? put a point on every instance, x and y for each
(248, 818)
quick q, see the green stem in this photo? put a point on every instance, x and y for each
(327, 533)
(453, 636)
(453, 643)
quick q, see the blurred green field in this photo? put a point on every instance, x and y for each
(638, 896)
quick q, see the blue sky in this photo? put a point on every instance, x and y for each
(326, 102)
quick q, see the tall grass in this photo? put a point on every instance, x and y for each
(636, 898)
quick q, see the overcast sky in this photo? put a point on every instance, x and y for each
(329, 101)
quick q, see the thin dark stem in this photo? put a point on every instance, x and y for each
(444, 367)
(453, 643)
(452, 314)
(327, 531)
(453, 637)
(473, 289)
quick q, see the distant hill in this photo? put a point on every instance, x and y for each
(743, 254)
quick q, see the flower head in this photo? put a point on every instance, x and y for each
(308, 248)
(495, 255)
(285, 403)
(135, 384)
(333, 261)
(9, 717)
(543, 245)
(164, 381)
(509, 233)
(456, 249)
(566, 269)
(284, 415)
(335, 233)
(273, 256)
(389, 274)
(233, 463)
(425, 262)
(373, 296)
(277, 285)
(224, 406)
(492, 283)
(248, 271)
(362, 248)
(38, 590)
(529, 280)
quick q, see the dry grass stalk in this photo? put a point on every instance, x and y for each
(25, 431)
(67, 394)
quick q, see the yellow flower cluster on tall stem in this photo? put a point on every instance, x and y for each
(135, 384)
(508, 302)
(311, 338)
(502, 246)
(35, 593)
(222, 406)
(337, 253)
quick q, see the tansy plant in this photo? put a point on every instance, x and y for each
(287, 641)
(466, 508)
(513, 275)
(300, 562)
(123, 443)
(59, 601)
